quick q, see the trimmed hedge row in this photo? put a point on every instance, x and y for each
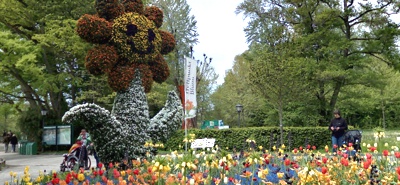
(264, 136)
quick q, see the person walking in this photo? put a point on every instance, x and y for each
(6, 141)
(4, 136)
(14, 142)
(338, 127)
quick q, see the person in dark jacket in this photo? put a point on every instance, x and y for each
(338, 128)
(14, 142)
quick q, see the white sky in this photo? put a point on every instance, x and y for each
(221, 35)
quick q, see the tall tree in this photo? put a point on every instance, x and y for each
(206, 82)
(337, 35)
(235, 90)
(42, 58)
(278, 76)
(182, 25)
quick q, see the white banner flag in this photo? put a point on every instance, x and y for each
(190, 88)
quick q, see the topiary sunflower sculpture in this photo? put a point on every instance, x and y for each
(128, 49)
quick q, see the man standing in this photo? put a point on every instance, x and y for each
(338, 128)
(14, 142)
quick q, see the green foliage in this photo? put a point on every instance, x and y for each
(157, 96)
(29, 123)
(236, 137)
(179, 22)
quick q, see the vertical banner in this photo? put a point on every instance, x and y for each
(190, 90)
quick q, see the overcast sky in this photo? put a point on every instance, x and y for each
(221, 35)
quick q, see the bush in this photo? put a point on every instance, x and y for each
(263, 136)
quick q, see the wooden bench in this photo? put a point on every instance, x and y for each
(202, 143)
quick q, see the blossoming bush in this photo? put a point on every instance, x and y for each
(254, 166)
(131, 32)
(123, 132)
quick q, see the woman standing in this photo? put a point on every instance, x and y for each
(338, 128)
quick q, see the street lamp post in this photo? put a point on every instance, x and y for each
(44, 113)
(239, 109)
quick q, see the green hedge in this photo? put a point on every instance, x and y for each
(236, 137)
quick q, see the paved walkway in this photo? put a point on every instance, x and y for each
(17, 163)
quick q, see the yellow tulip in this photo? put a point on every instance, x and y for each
(81, 177)
(283, 146)
(265, 171)
(280, 175)
(274, 147)
(230, 157)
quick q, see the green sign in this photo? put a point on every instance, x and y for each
(214, 124)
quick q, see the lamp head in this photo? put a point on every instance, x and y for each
(239, 108)
(43, 112)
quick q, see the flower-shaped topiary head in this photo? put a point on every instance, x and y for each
(128, 38)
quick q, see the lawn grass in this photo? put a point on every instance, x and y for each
(390, 138)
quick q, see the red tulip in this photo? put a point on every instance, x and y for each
(110, 165)
(136, 171)
(344, 161)
(372, 149)
(345, 155)
(324, 160)
(385, 153)
(68, 179)
(301, 148)
(100, 165)
(368, 155)
(116, 173)
(180, 175)
(295, 151)
(324, 170)
(366, 164)
(227, 168)
(398, 170)
(55, 181)
(314, 147)
(308, 146)
(287, 162)
(397, 154)
(350, 144)
(101, 172)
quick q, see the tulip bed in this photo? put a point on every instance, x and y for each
(255, 166)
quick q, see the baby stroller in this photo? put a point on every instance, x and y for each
(354, 137)
(75, 156)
